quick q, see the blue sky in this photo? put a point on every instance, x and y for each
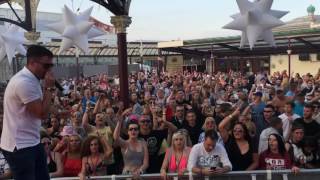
(179, 19)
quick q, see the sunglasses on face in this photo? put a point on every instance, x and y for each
(133, 129)
(267, 111)
(46, 65)
(179, 110)
(145, 121)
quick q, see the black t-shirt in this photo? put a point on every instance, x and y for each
(175, 121)
(310, 129)
(240, 162)
(154, 142)
(194, 132)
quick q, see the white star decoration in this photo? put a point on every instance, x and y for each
(11, 40)
(256, 20)
(75, 30)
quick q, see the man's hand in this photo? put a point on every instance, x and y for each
(49, 79)
(218, 170)
(207, 171)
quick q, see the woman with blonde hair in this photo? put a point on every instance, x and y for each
(209, 124)
(176, 158)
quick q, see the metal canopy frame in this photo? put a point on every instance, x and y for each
(229, 46)
(26, 23)
(117, 7)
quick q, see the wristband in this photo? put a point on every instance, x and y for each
(51, 89)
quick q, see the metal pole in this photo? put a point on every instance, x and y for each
(123, 68)
(289, 57)
(121, 23)
(77, 63)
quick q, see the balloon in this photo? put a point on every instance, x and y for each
(256, 20)
(75, 30)
(11, 41)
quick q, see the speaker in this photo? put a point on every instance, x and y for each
(304, 57)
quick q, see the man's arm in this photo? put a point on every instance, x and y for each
(192, 162)
(227, 166)
(39, 108)
(85, 122)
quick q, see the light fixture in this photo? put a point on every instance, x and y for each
(289, 51)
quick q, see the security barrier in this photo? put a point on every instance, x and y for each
(304, 174)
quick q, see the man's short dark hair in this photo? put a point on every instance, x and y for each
(309, 106)
(191, 111)
(296, 125)
(270, 106)
(225, 107)
(274, 121)
(212, 134)
(290, 103)
(35, 51)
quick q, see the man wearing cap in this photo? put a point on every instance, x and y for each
(256, 108)
(26, 104)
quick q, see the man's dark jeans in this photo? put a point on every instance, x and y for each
(28, 163)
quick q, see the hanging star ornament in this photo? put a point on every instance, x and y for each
(11, 41)
(256, 20)
(75, 30)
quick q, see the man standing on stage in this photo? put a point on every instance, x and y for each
(26, 104)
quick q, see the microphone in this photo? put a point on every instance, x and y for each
(58, 85)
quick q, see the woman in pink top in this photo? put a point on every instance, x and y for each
(177, 155)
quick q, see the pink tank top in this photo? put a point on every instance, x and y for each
(174, 165)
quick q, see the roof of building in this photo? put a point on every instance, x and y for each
(301, 32)
(99, 49)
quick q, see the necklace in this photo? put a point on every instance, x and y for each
(178, 160)
(94, 163)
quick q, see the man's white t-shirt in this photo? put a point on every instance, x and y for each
(264, 136)
(287, 124)
(199, 157)
(20, 128)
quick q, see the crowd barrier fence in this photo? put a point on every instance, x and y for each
(304, 174)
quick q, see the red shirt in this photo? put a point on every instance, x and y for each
(72, 167)
(271, 161)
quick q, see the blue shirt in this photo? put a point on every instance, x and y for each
(298, 108)
(257, 116)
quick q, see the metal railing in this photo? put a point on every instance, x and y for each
(304, 174)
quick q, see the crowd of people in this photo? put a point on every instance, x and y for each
(182, 122)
